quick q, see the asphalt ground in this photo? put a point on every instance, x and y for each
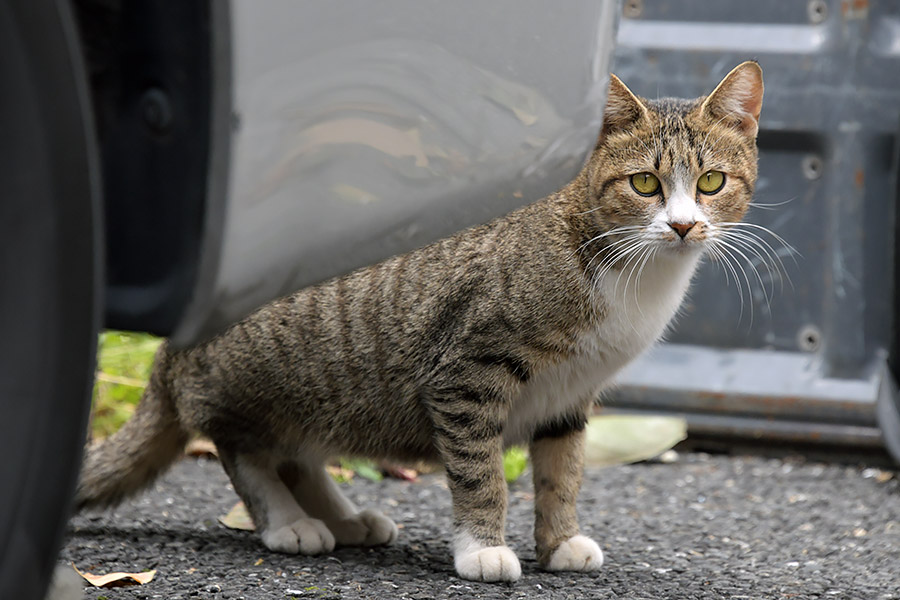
(705, 526)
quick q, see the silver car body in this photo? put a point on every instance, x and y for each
(347, 132)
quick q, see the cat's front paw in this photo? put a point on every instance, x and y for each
(494, 563)
(365, 528)
(578, 553)
(303, 536)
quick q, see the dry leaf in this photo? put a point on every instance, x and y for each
(238, 518)
(878, 475)
(398, 472)
(117, 579)
(201, 447)
(340, 474)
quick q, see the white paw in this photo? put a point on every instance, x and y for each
(494, 563)
(365, 528)
(578, 553)
(306, 536)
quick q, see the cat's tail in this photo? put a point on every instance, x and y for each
(142, 449)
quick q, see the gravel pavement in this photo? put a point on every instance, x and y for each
(706, 526)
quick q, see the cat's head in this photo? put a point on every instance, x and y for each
(674, 173)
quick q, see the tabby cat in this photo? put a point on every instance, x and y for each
(502, 334)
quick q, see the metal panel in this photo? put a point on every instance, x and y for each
(811, 354)
(360, 130)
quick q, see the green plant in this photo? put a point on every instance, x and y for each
(515, 459)
(363, 468)
(124, 362)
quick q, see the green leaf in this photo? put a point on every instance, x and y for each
(515, 459)
(363, 468)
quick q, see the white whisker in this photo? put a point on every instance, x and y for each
(793, 251)
(754, 253)
(762, 285)
(772, 206)
(726, 260)
(614, 252)
(772, 260)
(613, 231)
(737, 266)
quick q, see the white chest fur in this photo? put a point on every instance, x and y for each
(637, 315)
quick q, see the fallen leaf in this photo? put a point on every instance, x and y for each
(515, 460)
(201, 447)
(340, 474)
(363, 468)
(117, 579)
(398, 472)
(258, 562)
(878, 475)
(238, 518)
(623, 439)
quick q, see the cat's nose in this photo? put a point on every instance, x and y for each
(682, 228)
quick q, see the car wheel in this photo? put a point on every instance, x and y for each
(49, 284)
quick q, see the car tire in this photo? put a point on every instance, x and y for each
(50, 275)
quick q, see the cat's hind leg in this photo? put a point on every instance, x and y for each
(281, 522)
(321, 497)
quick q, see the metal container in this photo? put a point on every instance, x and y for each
(799, 353)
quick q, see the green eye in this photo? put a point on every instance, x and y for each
(645, 184)
(711, 182)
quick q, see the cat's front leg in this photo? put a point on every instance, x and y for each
(557, 458)
(468, 434)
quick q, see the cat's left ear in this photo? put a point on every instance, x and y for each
(738, 98)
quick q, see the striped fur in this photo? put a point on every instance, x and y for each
(501, 334)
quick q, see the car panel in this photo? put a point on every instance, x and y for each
(358, 131)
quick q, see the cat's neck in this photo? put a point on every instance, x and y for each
(639, 304)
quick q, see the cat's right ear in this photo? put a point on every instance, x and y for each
(737, 100)
(623, 109)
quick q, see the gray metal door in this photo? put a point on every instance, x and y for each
(757, 353)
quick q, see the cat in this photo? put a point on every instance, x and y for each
(501, 334)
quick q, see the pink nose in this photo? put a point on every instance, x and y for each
(682, 228)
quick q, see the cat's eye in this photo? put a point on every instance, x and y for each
(711, 182)
(645, 184)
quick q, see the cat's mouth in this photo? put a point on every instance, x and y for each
(684, 237)
(683, 245)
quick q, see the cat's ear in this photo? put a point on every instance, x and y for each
(623, 108)
(737, 100)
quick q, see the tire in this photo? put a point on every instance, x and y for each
(49, 284)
